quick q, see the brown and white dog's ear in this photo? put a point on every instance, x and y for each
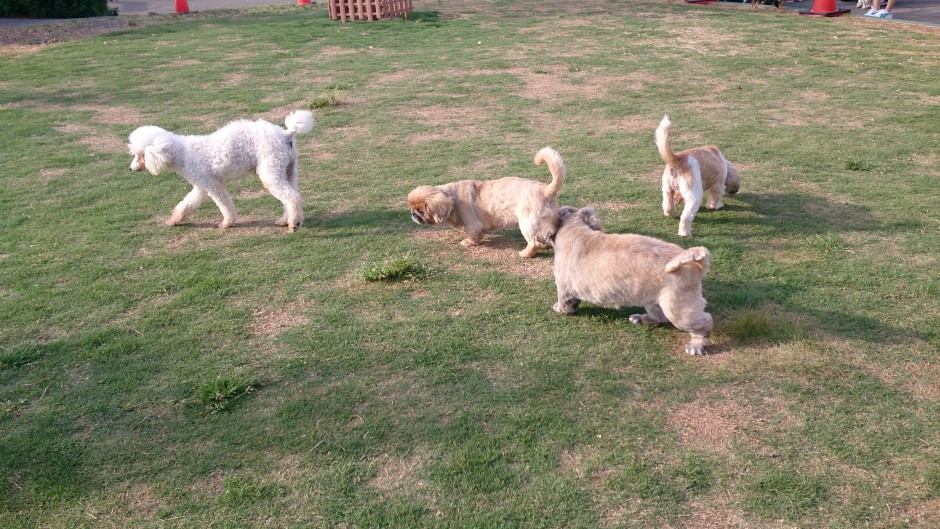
(589, 217)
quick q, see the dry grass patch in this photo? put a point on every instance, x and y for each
(142, 502)
(923, 515)
(496, 252)
(269, 321)
(717, 420)
(399, 473)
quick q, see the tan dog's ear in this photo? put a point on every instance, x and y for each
(438, 205)
(589, 216)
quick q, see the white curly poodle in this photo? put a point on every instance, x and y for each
(230, 153)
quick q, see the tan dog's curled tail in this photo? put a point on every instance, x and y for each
(662, 141)
(555, 165)
(697, 256)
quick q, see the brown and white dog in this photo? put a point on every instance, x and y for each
(690, 174)
(625, 270)
(479, 206)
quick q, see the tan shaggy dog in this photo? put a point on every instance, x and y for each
(689, 175)
(625, 270)
(479, 206)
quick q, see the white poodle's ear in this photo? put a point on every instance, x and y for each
(156, 156)
(589, 216)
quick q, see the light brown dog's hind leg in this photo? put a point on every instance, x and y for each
(654, 316)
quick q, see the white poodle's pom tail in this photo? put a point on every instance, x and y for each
(556, 165)
(697, 256)
(299, 122)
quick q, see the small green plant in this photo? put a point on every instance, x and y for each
(18, 357)
(394, 269)
(759, 325)
(323, 101)
(858, 165)
(223, 392)
(337, 85)
(828, 244)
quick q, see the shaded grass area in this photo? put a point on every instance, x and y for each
(368, 372)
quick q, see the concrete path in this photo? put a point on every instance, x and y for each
(143, 7)
(920, 11)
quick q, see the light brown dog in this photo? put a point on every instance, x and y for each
(479, 206)
(691, 173)
(624, 270)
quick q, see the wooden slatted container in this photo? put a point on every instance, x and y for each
(369, 9)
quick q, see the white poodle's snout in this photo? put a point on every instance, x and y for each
(137, 164)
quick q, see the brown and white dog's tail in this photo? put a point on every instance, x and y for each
(662, 141)
(697, 256)
(555, 165)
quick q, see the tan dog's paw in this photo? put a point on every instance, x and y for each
(466, 243)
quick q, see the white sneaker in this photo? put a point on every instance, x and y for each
(884, 13)
(871, 12)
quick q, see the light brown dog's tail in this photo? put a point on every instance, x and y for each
(662, 141)
(555, 165)
(732, 180)
(697, 256)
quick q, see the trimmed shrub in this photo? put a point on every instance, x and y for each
(55, 8)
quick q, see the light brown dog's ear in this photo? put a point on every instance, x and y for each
(589, 216)
(564, 213)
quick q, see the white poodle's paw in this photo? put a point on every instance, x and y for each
(636, 319)
(685, 232)
(695, 349)
(174, 221)
(715, 206)
(281, 222)
(226, 224)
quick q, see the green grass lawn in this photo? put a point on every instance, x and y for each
(369, 372)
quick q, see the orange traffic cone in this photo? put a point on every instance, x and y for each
(182, 7)
(825, 8)
(303, 2)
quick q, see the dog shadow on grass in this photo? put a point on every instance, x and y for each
(792, 214)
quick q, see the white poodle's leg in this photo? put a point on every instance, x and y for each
(223, 200)
(190, 202)
(281, 182)
(669, 197)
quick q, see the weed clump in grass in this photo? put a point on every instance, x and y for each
(394, 269)
(858, 165)
(828, 244)
(323, 101)
(18, 357)
(755, 326)
(223, 392)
